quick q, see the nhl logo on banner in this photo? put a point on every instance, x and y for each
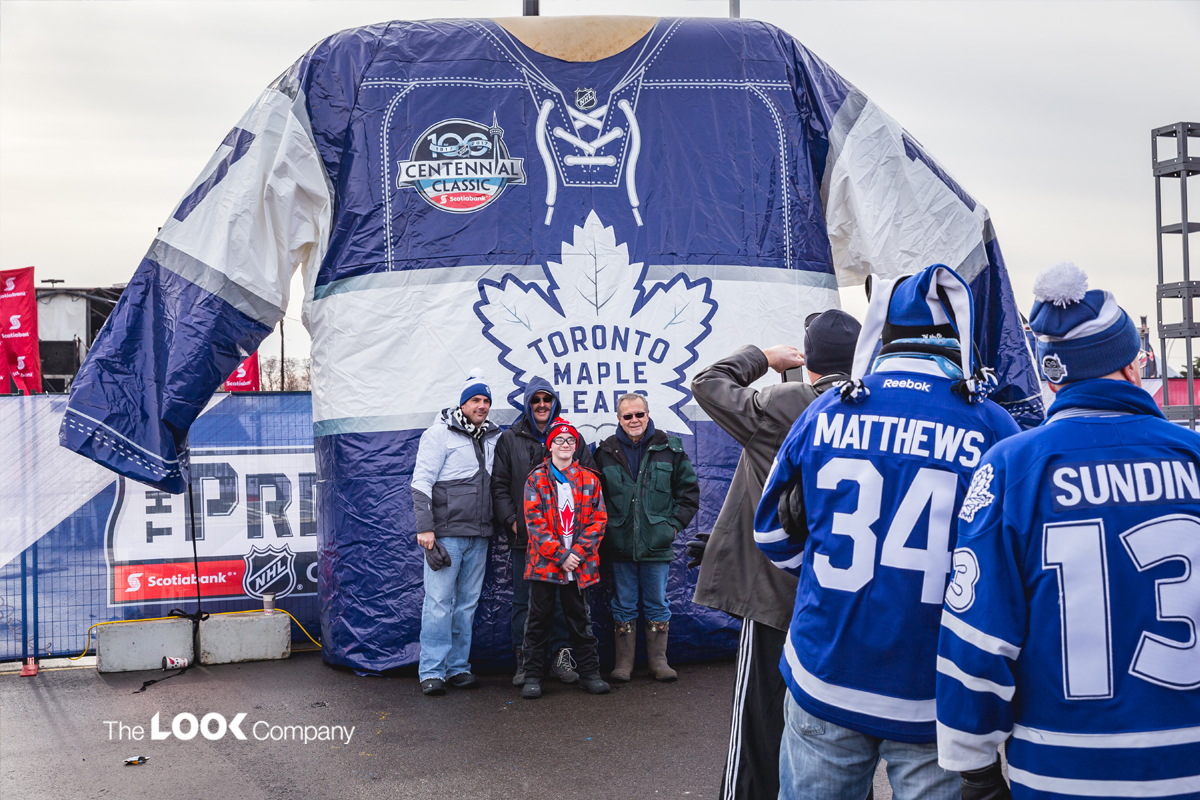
(460, 166)
(1053, 367)
(269, 569)
(585, 99)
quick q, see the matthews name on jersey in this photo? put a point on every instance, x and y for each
(457, 197)
(883, 480)
(1070, 624)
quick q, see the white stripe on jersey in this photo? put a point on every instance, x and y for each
(1095, 788)
(973, 682)
(777, 535)
(794, 561)
(1163, 738)
(984, 641)
(860, 702)
(959, 751)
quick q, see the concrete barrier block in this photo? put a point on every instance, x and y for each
(245, 637)
(132, 646)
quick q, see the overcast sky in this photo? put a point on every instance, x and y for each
(1042, 110)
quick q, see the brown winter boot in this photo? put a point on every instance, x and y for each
(656, 650)
(625, 634)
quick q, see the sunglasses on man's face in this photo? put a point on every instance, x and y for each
(542, 400)
(638, 414)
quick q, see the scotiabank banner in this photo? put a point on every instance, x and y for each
(18, 329)
(255, 530)
(245, 378)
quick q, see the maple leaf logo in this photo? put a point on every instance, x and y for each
(596, 328)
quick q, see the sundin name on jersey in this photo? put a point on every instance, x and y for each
(914, 437)
(1110, 483)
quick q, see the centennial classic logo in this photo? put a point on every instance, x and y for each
(1053, 367)
(460, 166)
(597, 327)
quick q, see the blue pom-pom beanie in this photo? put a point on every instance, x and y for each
(1081, 333)
(475, 385)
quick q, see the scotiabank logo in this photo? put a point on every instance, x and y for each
(171, 581)
(254, 527)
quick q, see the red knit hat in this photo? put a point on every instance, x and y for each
(560, 426)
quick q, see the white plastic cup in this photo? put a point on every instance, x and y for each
(268, 602)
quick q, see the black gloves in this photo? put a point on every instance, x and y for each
(985, 784)
(792, 515)
(695, 550)
(437, 557)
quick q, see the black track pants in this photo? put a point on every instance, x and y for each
(579, 627)
(752, 764)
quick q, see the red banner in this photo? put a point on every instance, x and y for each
(18, 329)
(245, 377)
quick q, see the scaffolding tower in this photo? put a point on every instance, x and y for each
(1187, 290)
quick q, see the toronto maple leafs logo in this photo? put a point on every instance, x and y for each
(596, 328)
(978, 496)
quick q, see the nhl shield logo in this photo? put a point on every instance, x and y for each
(269, 569)
(585, 99)
(1053, 367)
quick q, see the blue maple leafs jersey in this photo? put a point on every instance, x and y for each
(458, 200)
(1070, 624)
(883, 481)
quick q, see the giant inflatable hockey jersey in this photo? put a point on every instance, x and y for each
(458, 200)
(883, 480)
(1070, 625)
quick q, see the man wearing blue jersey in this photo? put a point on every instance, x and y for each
(871, 478)
(1069, 628)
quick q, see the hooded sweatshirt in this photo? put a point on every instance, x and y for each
(519, 450)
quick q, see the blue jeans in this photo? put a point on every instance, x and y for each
(820, 760)
(648, 576)
(520, 608)
(451, 595)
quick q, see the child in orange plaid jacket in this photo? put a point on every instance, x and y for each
(564, 512)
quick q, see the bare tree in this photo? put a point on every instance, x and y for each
(297, 374)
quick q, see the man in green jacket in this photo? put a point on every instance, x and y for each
(651, 494)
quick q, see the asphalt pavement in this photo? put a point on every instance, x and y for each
(66, 733)
(645, 739)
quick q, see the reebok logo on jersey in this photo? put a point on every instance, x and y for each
(907, 383)
(978, 497)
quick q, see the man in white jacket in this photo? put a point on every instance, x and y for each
(452, 501)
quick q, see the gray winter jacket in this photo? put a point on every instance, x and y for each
(735, 577)
(451, 482)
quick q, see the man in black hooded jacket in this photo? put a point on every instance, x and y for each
(519, 449)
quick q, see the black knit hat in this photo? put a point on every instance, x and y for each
(829, 339)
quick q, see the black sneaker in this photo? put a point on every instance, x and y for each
(532, 689)
(594, 684)
(433, 686)
(519, 678)
(464, 680)
(563, 666)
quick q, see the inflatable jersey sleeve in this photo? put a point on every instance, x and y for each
(213, 285)
(891, 209)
